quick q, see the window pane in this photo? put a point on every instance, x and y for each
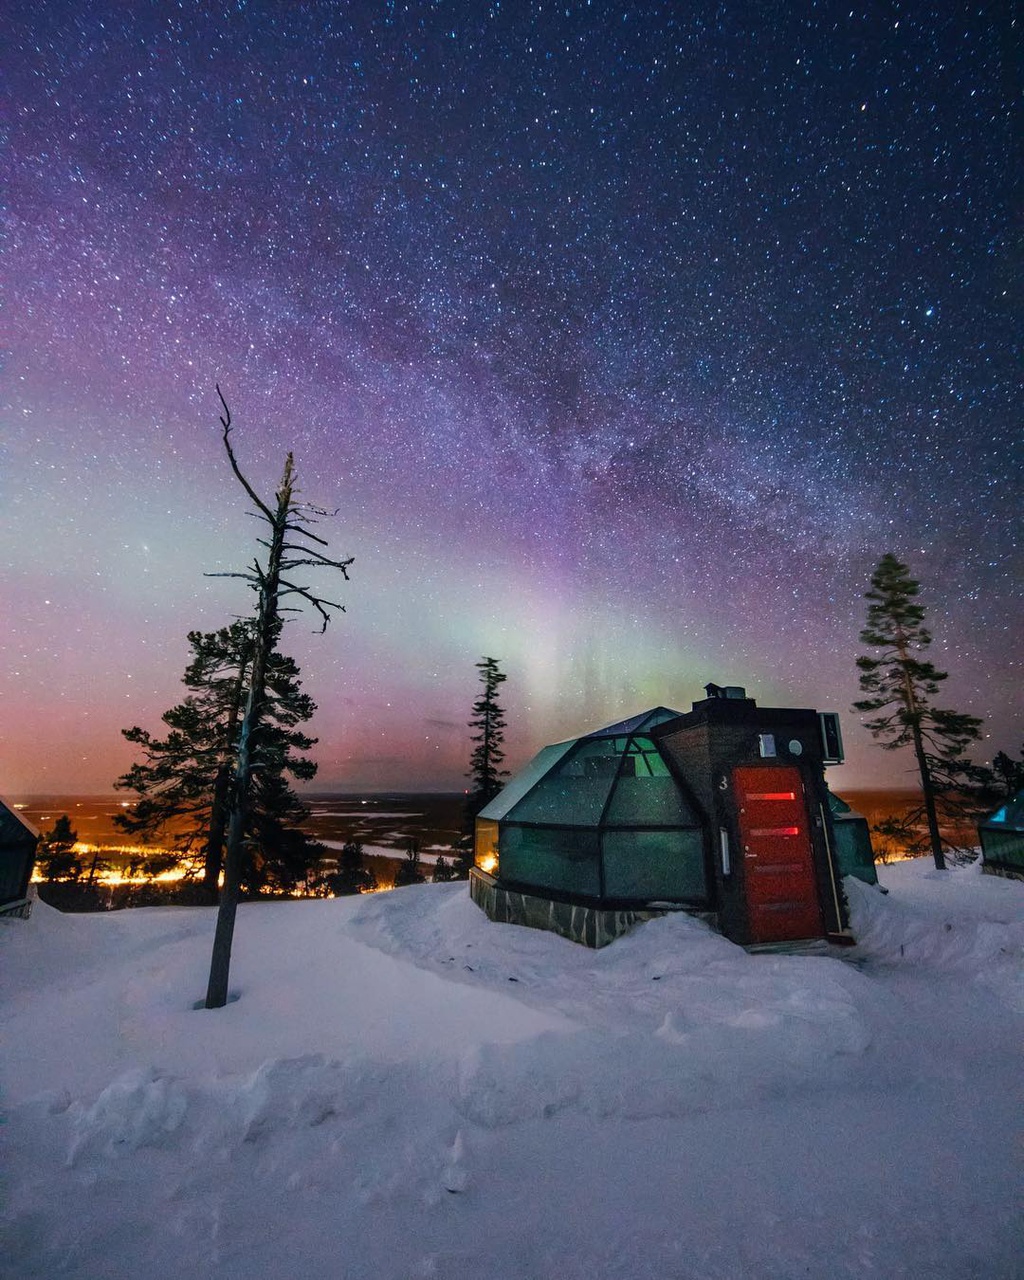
(646, 794)
(510, 795)
(654, 865)
(562, 860)
(648, 802)
(485, 847)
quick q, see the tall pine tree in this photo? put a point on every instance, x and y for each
(485, 771)
(183, 781)
(900, 684)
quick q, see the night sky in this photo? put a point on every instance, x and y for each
(625, 339)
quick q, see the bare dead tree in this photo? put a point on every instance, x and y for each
(290, 545)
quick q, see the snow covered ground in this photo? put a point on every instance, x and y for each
(404, 1089)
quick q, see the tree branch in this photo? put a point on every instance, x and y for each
(305, 533)
(320, 562)
(226, 424)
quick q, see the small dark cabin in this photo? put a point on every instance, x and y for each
(722, 811)
(1002, 840)
(18, 840)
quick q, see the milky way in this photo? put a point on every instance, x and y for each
(624, 339)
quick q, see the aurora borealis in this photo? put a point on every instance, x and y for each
(624, 338)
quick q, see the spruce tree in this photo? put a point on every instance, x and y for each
(410, 871)
(1007, 774)
(183, 782)
(352, 876)
(62, 837)
(56, 858)
(485, 771)
(900, 684)
(444, 870)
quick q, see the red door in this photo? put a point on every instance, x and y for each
(782, 898)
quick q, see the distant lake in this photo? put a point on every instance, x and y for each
(383, 824)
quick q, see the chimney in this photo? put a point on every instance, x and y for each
(731, 691)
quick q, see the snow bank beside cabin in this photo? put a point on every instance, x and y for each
(956, 922)
(671, 1019)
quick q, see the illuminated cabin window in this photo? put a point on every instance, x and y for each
(486, 845)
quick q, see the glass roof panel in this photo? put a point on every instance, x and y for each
(572, 783)
(575, 791)
(525, 780)
(645, 720)
(636, 723)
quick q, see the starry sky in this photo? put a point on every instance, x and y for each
(625, 339)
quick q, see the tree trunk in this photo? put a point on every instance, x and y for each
(266, 628)
(215, 836)
(220, 961)
(221, 794)
(929, 801)
(910, 698)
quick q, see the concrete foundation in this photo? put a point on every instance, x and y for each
(590, 926)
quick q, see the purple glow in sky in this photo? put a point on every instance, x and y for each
(625, 340)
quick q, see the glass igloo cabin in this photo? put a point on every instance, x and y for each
(1002, 840)
(722, 811)
(600, 818)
